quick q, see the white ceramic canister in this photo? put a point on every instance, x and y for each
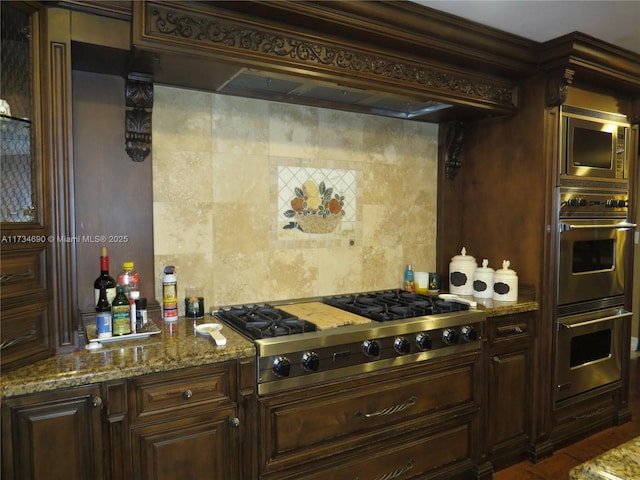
(483, 280)
(461, 269)
(505, 284)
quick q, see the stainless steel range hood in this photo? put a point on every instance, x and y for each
(288, 88)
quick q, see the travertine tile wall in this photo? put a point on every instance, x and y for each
(215, 179)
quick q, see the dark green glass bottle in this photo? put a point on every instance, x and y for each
(120, 313)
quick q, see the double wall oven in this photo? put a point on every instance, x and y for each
(594, 243)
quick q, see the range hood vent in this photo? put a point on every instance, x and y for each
(310, 91)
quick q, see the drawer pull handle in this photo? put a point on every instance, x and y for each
(396, 473)
(518, 329)
(187, 394)
(10, 343)
(496, 359)
(96, 402)
(390, 410)
(12, 276)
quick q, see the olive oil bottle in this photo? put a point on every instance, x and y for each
(121, 313)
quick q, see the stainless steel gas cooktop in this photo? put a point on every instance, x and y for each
(405, 328)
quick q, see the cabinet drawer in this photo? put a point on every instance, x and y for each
(25, 335)
(510, 327)
(448, 451)
(23, 272)
(300, 425)
(165, 394)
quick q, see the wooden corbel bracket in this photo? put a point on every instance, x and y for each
(558, 87)
(139, 105)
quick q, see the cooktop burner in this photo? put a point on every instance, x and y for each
(393, 305)
(264, 321)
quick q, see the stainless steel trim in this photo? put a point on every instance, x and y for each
(620, 314)
(318, 377)
(565, 227)
(357, 333)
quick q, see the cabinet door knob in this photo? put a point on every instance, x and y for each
(496, 359)
(96, 402)
(235, 422)
(187, 394)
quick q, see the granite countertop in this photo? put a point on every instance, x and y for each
(165, 351)
(169, 350)
(620, 463)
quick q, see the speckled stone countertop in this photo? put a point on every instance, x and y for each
(494, 308)
(620, 463)
(168, 350)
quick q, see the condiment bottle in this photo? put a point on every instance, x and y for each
(103, 314)
(169, 295)
(120, 313)
(129, 278)
(408, 279)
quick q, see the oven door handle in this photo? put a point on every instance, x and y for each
(565, 227)
(566, 326)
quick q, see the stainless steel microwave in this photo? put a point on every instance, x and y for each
(594, 145)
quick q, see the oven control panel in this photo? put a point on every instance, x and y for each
(582, 203)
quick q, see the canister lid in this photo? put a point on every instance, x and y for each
(484, 268)
(505, 270)
(463, 257)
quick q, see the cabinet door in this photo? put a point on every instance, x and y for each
(196, 447)
(53, 436)
(508, 400)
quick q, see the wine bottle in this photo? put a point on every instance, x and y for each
(104, 279)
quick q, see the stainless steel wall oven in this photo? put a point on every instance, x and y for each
(595, 237)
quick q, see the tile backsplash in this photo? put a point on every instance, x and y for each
(226, 169)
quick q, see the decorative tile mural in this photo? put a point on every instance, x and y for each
(315, 200)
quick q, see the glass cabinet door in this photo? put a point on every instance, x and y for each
(18, 165)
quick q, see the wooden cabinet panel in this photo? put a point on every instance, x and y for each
(323, 424)
(23, 271)
(507, 374)
(411, 458)
(24, 334)
(509, 388)
(164, 394)
(53, 436)
(197, 447)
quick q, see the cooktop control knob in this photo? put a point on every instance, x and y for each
(469, 333)
(401, 345)
(423, 341)
(310, 361)
(450, 336)
(371, 348)
(281, 366)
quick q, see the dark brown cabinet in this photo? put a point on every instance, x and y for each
(54, 435)
(178, 424)
(184, 424)
(509, 387)
(415, 422)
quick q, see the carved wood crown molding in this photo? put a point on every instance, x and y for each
(139, 103)
(241, 41)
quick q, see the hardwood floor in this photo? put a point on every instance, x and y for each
(563, 460)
